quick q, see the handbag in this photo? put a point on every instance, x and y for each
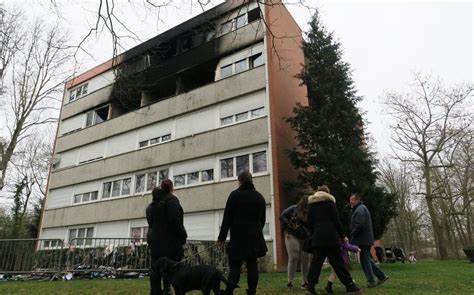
(298, 229)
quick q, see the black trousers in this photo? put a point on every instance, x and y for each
(252, 274)
(336, 261)
(155, 280)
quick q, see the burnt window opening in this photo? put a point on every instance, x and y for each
(186, 42)
(253, 15)
(97, 116)
(196, 77)
(159, 90)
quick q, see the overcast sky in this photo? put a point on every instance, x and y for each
(384, 42)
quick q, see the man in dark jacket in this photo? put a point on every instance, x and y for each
(362, 235)
(166, 234)
(244, 215)
(327, 234)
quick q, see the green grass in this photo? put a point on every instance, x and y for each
(433, 277)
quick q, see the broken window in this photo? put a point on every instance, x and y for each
(97, 116)
(241, 117)
(227, 27)
(256, 60)
(180, 180)
(193, 177)
(140, 180)
(226, 120)
(78, 92)
(253, 15)
(151, 181)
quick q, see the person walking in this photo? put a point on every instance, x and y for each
(326, 228)
(244, 216)
(345, 247)
(362, 235)
(166, 233)
(295, 230)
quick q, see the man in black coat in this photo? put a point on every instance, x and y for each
(166, 234)
(362, 235)
(244, 215)
(327, 234)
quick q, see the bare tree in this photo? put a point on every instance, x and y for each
(428, 119)
(37, 75)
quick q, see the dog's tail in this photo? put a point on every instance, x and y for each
(226, 281)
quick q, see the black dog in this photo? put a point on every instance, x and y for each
(185, 278)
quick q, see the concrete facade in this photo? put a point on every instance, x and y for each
(212, 106)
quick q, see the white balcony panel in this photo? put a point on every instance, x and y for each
(118, 229)
(71, 124)
(92, 151)
(122, 143)
(155, 130)
(194, 166)
(59, 197)
(200, 226)
(242, 104)
(195, 123)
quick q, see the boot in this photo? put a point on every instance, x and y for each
(311, 290)
(329, 287)
(353, 289)
(251, 292)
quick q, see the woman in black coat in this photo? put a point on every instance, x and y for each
(244, 215)
(327, 234)
(166, 234)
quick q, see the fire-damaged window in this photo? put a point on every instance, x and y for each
(240, 21)
(78, 92)
(253, 15)
(97, 116)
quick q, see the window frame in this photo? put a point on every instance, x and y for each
(78, 92)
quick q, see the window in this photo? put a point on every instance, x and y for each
(207, 175)
(240, 66)
(155, 140)
(94, 195)
(241, 21)
(180, 180)
(138, 234)
(241, 117)
(81, 236)
(77, 198)
(226, 71)
(266, 229)
(86, 197)
(259, 162)
(116, 188)
(193, 178)
(253, 15)
(151, 181)
(143, 143)
(78, 92)
(148, 181)
(242, 163)
(227, 27)
(140, 181)
(97, 116)
(51, 243)
(257, 112)
(226, 120)
(256, 60)
(227, 167)
(166, 137)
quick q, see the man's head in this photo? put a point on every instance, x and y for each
(354, 200)
(167, 185)
(245, 178)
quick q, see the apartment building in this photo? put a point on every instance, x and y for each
(197, 104)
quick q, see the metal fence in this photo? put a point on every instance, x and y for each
(95, 257)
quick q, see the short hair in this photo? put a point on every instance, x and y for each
(245, 177)
(324, 188)
(357, 196)
(167, 185)
(155, 193)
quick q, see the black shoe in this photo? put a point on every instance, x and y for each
(352, 288)
(311, 290)
(328, 288)
(251, 292)
(380, 282)
(289, 285)
(371, 285)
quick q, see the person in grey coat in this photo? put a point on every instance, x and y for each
(362, 235)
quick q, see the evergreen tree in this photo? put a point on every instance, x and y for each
(330, 131)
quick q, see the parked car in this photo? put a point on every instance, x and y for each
(394, 253)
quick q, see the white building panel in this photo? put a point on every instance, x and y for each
(117, 229)
(71, 124)
(59, 197)
(92, 151)
(242, 104)
(155, 130)
(194, 166)
(121, 144)
(195, 123)
(101, 81)
(54, 233)
(138, 223)
(69, 158)
(200, 226)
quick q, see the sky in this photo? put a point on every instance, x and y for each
(384, 42)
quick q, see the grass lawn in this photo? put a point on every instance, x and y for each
(429, 277)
